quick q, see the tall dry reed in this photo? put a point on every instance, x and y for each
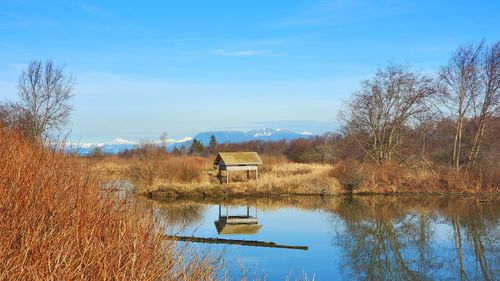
(56, 224)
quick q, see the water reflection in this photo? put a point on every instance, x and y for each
(360, 237)
(395, 238)
(237, 224)
(178, 216)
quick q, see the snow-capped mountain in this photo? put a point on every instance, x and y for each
(259, 134)
(115, 146)
(119, 144)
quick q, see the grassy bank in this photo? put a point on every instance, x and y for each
(56, 224)
(164, 175)
(185, 176)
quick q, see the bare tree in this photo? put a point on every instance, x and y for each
(164, 139)
(44, 91)
(384, 106)
(488, 100)
(460, 82)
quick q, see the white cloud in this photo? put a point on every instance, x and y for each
(246, 53)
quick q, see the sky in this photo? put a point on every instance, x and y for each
(145, 67)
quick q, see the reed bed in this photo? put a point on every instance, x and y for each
(56, 224)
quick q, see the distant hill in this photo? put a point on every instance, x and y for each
(260, 134)
(265, 134)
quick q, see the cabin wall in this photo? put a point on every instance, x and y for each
(241, 168)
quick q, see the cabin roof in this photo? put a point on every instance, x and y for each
(223, 228)
(238, 158)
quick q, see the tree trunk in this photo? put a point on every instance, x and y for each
(458, 144)
(476, 143)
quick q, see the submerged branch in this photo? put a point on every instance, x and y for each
(252, 243)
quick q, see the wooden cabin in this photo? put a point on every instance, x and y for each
(237, 161)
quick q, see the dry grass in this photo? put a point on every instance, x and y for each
(295, 178)
(150, 170)
(163, 175)
(286, 178)
(393, 178)
(56, 224)
(177, 176)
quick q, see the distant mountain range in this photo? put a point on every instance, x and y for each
(119, 144)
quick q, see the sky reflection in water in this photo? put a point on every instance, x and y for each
(359, 238)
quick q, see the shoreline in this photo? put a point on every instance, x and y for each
(176, 194)
(189, 177)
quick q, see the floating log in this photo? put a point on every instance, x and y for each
(252, 243)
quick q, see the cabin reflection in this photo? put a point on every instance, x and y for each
(237, 224)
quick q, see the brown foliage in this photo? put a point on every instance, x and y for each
(152, 168)
(269, 161)
(56, 224)
(349, 174)
(390, 177)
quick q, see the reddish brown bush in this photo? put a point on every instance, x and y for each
(349, 174)
(390, 177)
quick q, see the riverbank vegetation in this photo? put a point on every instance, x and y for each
(173, 176)
(165, 175)
(57, 224)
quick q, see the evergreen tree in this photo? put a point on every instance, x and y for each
(212, 145)
(196, 147)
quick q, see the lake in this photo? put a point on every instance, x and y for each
(412, 237)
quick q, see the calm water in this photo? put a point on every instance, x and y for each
(358, 238)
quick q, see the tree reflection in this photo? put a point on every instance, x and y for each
(177, 215)
(383, 238)
(475, 231)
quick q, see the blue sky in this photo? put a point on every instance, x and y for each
(143, 67)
